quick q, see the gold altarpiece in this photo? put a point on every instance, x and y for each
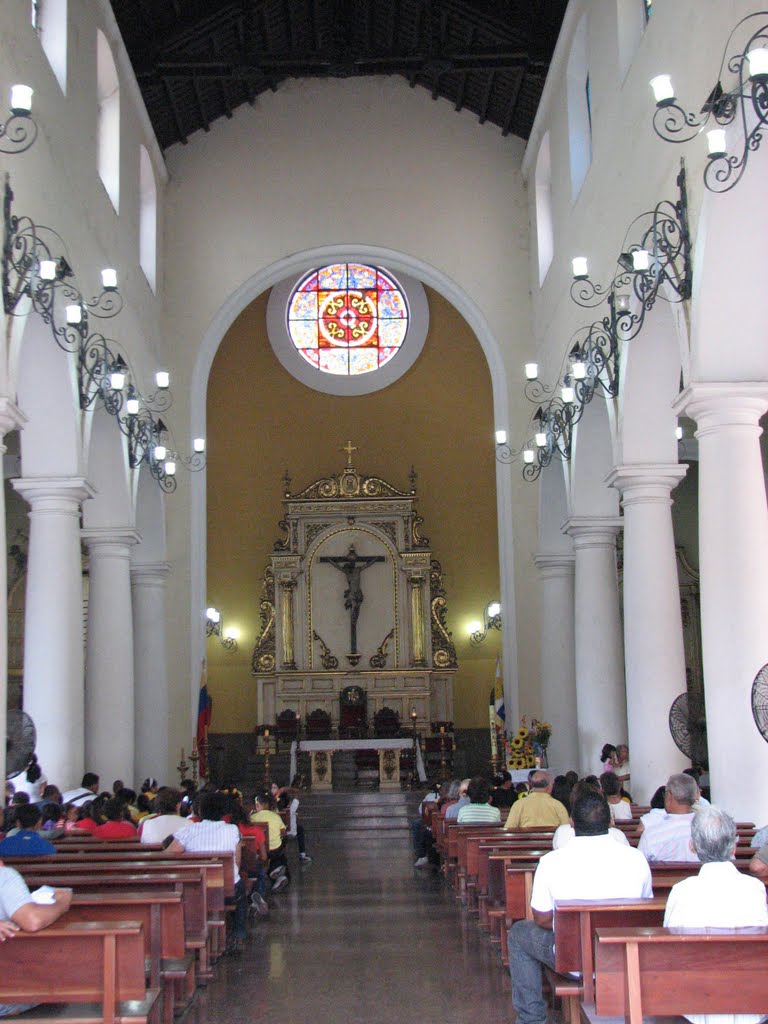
(353, 596)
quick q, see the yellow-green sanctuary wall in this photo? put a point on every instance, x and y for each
(438, 417)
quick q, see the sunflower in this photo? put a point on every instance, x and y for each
(522, 732)
(517, 743)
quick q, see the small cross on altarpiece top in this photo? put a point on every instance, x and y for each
(348, 448)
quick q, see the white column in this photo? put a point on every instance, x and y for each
(601, 702)
(558, 664)
(733, 555)
(53, 627)
(11, 418)
(109, 700)
(150, 666)
(653, 630)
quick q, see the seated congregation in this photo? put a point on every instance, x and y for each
(596, 902)
(149, 890)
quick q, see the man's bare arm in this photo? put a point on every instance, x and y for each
(33, 917)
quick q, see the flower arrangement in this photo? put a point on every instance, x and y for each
(542, 733)
(529, 744)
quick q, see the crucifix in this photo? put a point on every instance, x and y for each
(348, 448)
(352, 565)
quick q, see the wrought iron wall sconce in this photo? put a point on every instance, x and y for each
(657, 263)
(19, 130)
(34, 270)
(478, 631)
(746, 105)
(214, 626)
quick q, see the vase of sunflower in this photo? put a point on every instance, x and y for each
(518, 757)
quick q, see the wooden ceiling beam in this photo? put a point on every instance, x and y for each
(483, 117)
(313, 64)
(512, 105)
(180, 133)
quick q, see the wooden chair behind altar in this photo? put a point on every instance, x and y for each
(353, 713)
(386, 723)
(287, 727)
(318, 725)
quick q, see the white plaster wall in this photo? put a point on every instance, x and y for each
(56, 182)
(366, 162)
(632, 169)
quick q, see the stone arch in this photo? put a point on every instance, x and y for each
(651, 368)
(220, 324)
(47, 395)
(728, 342)
(592, 460)
(108, 473)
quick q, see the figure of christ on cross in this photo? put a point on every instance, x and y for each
(352, 565)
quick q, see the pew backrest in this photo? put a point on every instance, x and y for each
(99, 962)
(668, 971)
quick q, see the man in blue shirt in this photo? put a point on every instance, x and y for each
(26, 841)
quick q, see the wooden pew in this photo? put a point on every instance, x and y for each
(670, 971)
(188, 882)
(478, 846)
(95, 963)
(161, 914)
(217, 870)
(576, 922)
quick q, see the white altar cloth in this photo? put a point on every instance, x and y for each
(380, 744)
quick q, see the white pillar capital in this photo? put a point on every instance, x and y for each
(11, 416)
(593, 531)
(554, 566)
(648, 482)
(110, 541)
(56, 495)
(149, 573)
(723, 404)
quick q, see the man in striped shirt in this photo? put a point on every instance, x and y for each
(213, 835)
(478, 811)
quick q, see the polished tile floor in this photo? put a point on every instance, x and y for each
(360, 936)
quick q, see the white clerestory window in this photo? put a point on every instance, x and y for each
(108, 127)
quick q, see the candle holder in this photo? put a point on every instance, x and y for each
(267, 776)
(444, 773)
(413, 777)
(182, 766)
(194, 757)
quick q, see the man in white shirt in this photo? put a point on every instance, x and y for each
(166, 820)
(668, 838)
(87, 790)
(590, 867)
(719, 896)
(213, 835)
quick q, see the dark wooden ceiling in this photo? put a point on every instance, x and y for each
(198, 60)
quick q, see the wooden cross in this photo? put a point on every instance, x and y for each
(348, 448)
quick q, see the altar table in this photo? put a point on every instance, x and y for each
(321, 752)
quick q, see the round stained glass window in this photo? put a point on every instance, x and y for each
(348, 318)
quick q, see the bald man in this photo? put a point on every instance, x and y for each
(538, 808)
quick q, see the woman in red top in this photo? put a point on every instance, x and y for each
(116, 827)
